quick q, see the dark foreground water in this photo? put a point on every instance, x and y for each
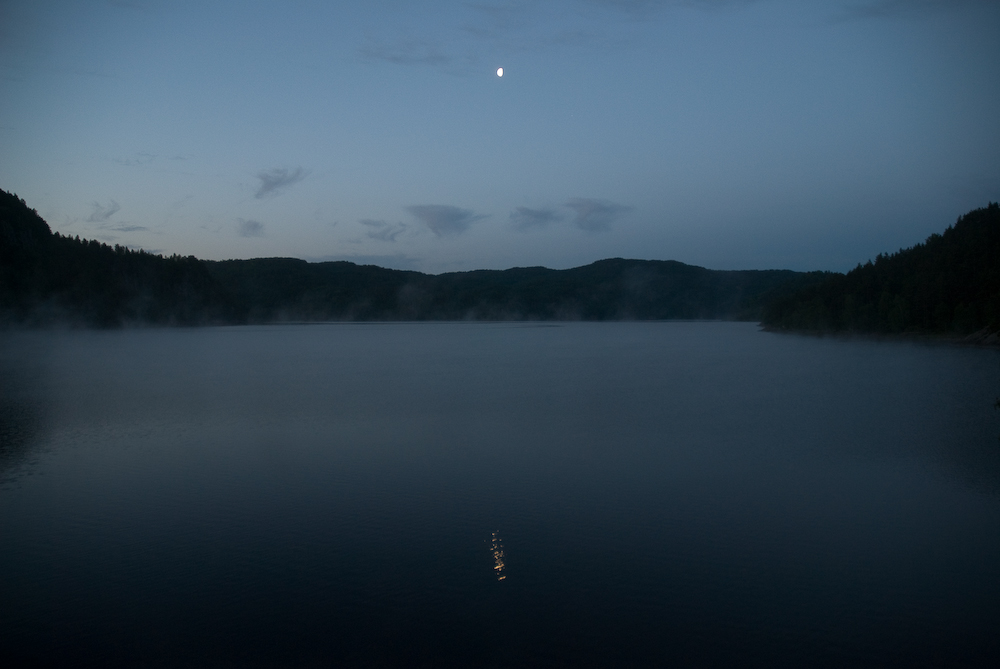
(668, 494)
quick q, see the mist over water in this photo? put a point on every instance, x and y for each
(673, 493)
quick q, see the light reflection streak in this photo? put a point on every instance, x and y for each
(498, 557)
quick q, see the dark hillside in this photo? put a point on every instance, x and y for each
(286, 289)
(24, 242)
(283, 289)
(48, 278)
(950, 284)
(614, 289)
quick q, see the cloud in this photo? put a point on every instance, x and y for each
(249, 228)
(876, 9)
(444, 219)
(524, 218)
(136, 159)
(83, 72)
(596, 215)
(128, 228)
(529, 26)
(476, 32)
(640, 6)
(629, 6)
(406, 52)
(498, 20)
(102, 213)
(272, 182)
(382, 231)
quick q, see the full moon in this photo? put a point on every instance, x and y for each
(499, 71)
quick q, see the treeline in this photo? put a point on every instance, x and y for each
(950, 284)
(48, 278)
(274, 289)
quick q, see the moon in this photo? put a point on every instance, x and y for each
(499, 71)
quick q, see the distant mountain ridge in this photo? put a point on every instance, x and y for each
(48, 278)
(947, 285)
(273, 289)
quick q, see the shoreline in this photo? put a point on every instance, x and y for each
(984, 338)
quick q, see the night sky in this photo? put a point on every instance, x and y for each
(728, 134)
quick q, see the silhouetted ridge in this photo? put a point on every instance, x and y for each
(48, 278)
(274, 289)
(24, 240)
(282, 289)
(950, 284)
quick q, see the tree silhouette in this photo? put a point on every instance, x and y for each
(948, 284)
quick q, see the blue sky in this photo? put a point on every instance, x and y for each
(732, 134)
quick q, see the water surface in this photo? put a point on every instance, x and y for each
(667, 494)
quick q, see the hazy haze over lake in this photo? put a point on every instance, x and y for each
(668, 493)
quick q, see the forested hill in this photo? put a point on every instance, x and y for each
(48, 278)
(283, 289)
(950, 284)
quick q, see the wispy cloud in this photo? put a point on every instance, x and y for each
(520, 26)
(126, 227)
(492, 21)
(629, 6)
(876, 9)
(645, 6)
(524, 218)
(406, 52)
(136, 159)
(84, 72)
(102, 213)
(382, 231)
(444, 220)
(474, 30)
(596, 215)
(273, 182)
(249, 228)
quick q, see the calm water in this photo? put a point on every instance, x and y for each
(667, 494)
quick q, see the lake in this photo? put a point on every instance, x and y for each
(683, 494)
